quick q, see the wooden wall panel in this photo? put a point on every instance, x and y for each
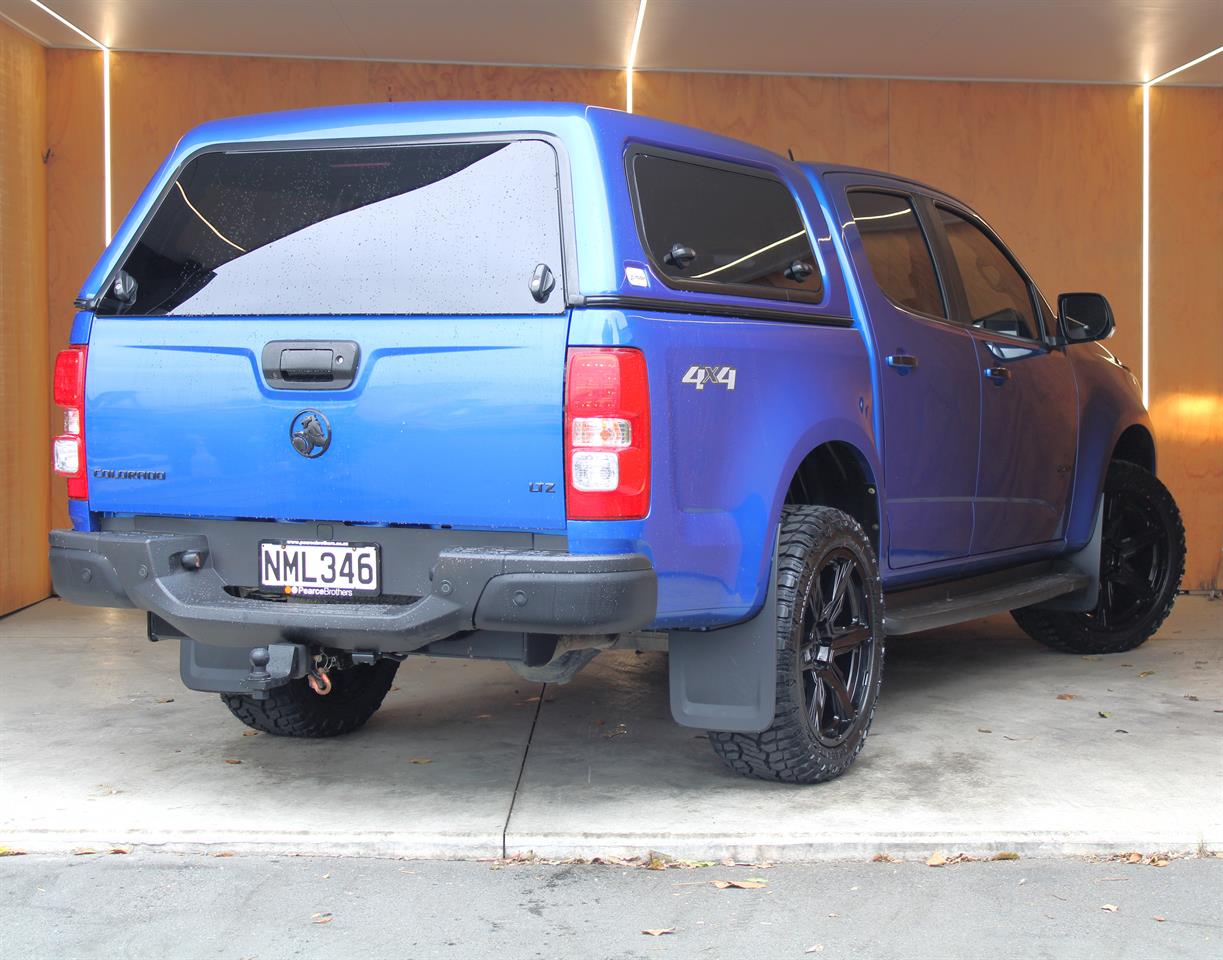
(842, 120)
(24, 468)
(75, 217)
(1187, 313)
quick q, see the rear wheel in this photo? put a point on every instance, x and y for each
(1142, 560)
(830, 621)
(294, 709)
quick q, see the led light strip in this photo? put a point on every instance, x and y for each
(632, 57)
(1146, 216)
(105, 50)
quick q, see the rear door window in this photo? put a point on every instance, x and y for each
(897, 250)
(456, 228)
(721, 228)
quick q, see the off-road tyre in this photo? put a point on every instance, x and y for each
(294, 710)
(1129, 492)
(791, 750)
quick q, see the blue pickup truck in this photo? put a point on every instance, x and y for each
(528, 381)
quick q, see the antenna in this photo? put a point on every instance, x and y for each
(790, 151)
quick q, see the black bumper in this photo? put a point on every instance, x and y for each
(469, 588)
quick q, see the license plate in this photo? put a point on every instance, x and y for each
(320, 568)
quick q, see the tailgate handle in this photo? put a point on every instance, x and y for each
(310, 364)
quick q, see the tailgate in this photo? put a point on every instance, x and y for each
(450, 420)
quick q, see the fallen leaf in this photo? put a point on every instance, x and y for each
(883, 858)
(1119, 730)
(660, 932)
(1161, 862)
(120, 849)
(1190, 696)
(231, 760)
(815, 948)
(1134, 858)
(657, 862)
(321, 918)
(1005, 855)
(420, 760)
(83, 851)
(1104, 713)
(223, 853)
(936, 860)
(165, 700)
(10, 852)
(983, 730)
(1145, 674)
(1110, 907)
(739, 884)
(1159, 919)
(250, 733)
(1067, 696)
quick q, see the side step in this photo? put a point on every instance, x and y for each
(925, 608)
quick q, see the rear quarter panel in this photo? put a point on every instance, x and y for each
(723, 459)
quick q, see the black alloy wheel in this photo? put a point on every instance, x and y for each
(836, 652)
(1142, 560)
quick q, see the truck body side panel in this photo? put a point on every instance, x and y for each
(723, 458)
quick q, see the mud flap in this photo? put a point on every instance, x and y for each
(1084, 561)
(726, 680)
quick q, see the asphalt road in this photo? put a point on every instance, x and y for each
(168, 906)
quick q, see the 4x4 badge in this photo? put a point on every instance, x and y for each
(310, 434)
(717, 375)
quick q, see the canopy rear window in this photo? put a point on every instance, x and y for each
(455, 228)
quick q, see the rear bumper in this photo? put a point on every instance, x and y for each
(466, 588)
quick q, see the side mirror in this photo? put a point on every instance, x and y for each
(1084, 316)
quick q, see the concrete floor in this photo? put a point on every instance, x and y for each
(972, 750)
(162, 906)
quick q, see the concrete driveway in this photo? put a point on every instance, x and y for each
(984, 741)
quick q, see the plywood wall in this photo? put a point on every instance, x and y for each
(1056, 168)
(1186, 378)
(24, 470)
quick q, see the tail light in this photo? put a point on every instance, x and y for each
(68, 449)
(607, 434)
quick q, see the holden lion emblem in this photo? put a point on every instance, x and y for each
(310, 434)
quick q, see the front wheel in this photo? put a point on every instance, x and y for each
(830, 656)
(1142, 560)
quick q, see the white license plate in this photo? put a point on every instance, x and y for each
(319, 568)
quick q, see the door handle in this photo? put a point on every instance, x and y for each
(902, 362)
(310, 364)
(997, 374)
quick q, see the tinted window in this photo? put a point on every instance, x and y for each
(441, 228)
(998, 296)
(896, 248)
(743, 228)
